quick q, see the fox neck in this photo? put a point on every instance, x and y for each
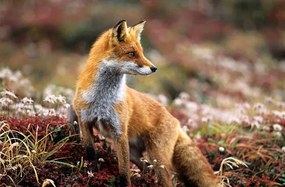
(107, 90)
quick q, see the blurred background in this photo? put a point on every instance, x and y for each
(218, 51)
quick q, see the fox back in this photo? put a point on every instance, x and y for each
(133, 121)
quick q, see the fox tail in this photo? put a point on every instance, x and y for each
(192, 167)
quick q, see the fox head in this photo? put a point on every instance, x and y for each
(125, 50)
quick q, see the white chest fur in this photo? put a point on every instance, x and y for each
(108, 89)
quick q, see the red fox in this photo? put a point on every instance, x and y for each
(133, 121)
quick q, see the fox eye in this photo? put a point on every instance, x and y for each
(131, 54)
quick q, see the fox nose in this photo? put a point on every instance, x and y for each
(153, 68)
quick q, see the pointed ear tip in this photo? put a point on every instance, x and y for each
(139, 24)
(120, 22)
(123, 20)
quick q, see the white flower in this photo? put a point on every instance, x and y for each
(57, 90)
(277, 127)
(26, 100)
(53, 99)
(282, 114)
(15, 144)
(101, 160)
(266, 128)
(5, 102)
(191, 106)
(255, 124)
(277, 134)
(184, 96)
(245, 119)
(162, 166)
(50, 99)
(137, 175)
(283, 149)
(203, 53)
(234, 120)
(205, 119)
(48, 182)
(52, 112)
(61, 99)
(198, 135)
(143, 160)
(90, 174)
(221, 149)
(280, 104)
(162, 99)
(185, 128)
(277, 113)
(258, 119)
(42, 111)
(31, 112)
(66, 105)
(269, 100)
(190, 123)
(178, 102)
(150, 166)
(85, 164)
(136, 170)
(5, 73)
(258, 106)
(246, 105)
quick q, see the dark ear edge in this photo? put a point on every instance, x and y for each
(119, 29)
(143, 21)
(120, 22)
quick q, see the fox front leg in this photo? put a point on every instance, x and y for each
(122, 148)
(87, 140)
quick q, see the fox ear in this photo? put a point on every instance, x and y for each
(120, 32)
(138, 28)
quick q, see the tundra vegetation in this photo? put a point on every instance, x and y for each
(222, 77)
